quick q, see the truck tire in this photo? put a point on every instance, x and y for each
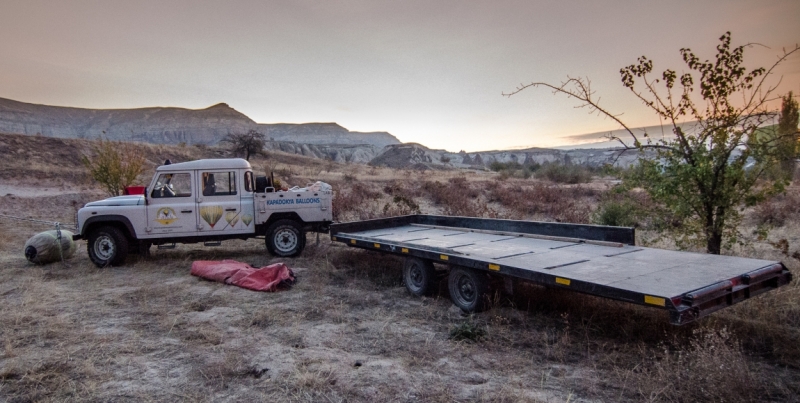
(284, 238)
(419, 276)
(107, 246)
(468, 289)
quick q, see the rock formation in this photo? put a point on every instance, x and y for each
(166, 125)
(162, 125)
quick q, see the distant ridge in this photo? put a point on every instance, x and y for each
(324, 140)
(168, 125)
(325, 133)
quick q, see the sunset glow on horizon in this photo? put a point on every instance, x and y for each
(427, 72)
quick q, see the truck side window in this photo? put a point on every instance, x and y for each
(248, 181)
(172, 185)
(219, 183)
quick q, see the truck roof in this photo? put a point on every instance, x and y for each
(216, 163)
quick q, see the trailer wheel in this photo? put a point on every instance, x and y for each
(285, 238)
(419, 276)
(107, 246)
(468, 289)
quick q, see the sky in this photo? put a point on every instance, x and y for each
(431, 72)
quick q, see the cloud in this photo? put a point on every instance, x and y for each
(654, 132)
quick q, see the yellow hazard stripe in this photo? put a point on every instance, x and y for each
(655, 300)
(562, 281)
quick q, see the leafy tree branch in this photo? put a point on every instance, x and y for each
(716, 163)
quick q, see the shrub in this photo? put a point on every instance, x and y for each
(514, 169)
(630, 208)
(616, 213)
(556, 203)
(611, 170)
(564, 173)
(457, 197)
(498, 166)
(400, 205)
(712, 367)
(114, 164)
(468, 331)
(404, 188)
(778, 210)
(355, 201)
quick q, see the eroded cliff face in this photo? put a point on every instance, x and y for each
(324, 133)
(153, 125)
(356, 154)
(330, 141)
(166, 125)
(417, 156)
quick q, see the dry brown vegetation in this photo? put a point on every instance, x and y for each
(348, 330)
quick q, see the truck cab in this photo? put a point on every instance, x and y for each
(208, 201)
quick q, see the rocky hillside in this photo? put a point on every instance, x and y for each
(324, 133)
(327, 141)
(162, 125)
(416, 156)
(356, 154)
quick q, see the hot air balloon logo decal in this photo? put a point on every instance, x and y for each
(211, 214)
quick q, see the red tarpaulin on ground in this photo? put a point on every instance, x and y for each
(267, 278)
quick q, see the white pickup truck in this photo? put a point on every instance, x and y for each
(205, 201)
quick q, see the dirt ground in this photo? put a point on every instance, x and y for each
(150, 331)
(348, 330)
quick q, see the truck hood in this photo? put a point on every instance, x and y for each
(133, 200)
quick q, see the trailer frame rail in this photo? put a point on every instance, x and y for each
(683, 308)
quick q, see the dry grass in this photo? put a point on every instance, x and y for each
(348, 331)
(780, 210)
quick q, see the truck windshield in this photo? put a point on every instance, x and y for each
(173, 185)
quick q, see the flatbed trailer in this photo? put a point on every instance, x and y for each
(597, 260)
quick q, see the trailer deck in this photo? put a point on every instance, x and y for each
(597, 260)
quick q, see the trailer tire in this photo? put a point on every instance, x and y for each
(284, 238)
(107, 246)
(419, 276)
(468, 289)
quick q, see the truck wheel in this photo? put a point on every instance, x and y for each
(284, 238)
(107, 246)
(419, 276)
(468, 289)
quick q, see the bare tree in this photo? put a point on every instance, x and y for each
(708, 173)
(249, 143)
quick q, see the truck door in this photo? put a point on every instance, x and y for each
(171, 205)
(219, 203)
(248, 201)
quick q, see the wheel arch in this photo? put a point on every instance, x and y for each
(119, 221)
(288, 215)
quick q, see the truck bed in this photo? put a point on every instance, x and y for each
(597, 260)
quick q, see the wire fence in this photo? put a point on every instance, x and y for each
(50, 223)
